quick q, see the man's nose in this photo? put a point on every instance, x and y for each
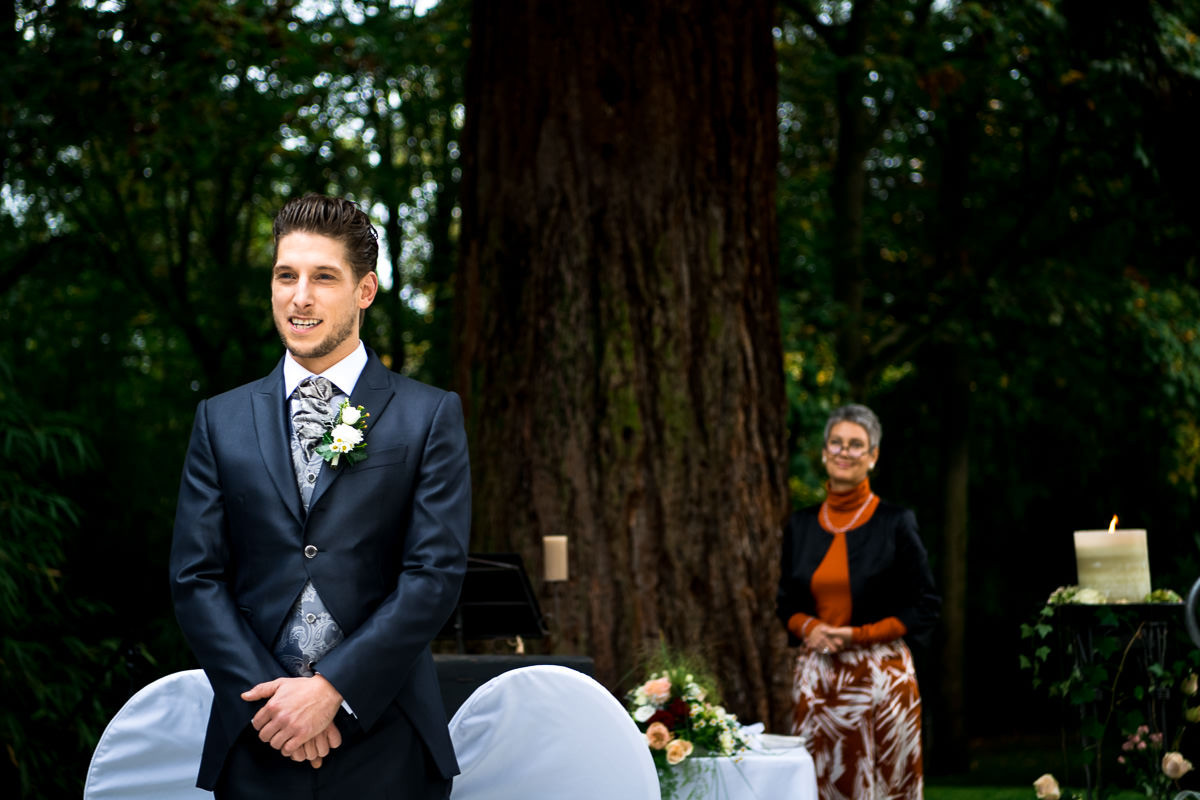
(303, 296)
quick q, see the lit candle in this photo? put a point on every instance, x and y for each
(554, 553)
(1114, 562)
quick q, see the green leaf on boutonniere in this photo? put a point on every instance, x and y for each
(344, 441)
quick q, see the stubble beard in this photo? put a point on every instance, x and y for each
(322, 348)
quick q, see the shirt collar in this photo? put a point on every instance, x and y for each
(344, 374)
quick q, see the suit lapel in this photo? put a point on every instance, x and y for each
(270, 424)
(373, 392)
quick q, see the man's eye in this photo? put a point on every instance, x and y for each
(284, 276)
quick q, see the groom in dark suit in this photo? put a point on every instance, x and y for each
(310, 587)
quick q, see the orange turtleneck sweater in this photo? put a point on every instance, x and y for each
(841, 514)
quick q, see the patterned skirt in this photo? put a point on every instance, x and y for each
(860, 713)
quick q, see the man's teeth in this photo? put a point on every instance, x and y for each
(305, 323)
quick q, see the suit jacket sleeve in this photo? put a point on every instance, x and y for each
(371, 664)
(223, 642)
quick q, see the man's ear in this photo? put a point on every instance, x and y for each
(368, 287)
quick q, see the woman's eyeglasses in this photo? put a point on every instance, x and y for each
(853, 448)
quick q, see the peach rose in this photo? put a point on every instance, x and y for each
(1175, 766)
(678, 750)
(657, 736)
(1047, 788)
(658, 691)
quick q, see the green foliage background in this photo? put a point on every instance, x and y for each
(1026, 213)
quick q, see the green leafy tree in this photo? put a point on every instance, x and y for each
(49, 647)
(973, 199)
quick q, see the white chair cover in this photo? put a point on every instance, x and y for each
(549, 733)
(151, 748)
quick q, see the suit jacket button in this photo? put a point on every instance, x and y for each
(310, 551)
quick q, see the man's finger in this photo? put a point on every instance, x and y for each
(261, 719)
(334, 735)
(278, 741)
(261, 691)
(270, 727)
(316, 763)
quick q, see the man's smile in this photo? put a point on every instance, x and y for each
(303, 323)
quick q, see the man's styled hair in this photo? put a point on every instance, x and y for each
(336, 218)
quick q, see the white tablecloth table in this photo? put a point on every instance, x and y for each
(760, 774)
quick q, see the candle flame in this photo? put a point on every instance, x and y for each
(1112, 526)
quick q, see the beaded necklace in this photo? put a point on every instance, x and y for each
(829, 526)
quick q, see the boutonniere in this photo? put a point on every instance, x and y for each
(345, 436)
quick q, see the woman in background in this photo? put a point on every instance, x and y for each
(854, 586)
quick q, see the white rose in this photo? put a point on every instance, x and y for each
(1046, 788)
(350, 415)
(643, 713)
(1175, 766)
(346, 434)
(1091, 597)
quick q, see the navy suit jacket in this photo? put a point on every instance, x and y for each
(390, 534)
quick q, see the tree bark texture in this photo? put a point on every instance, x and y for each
(618, 325)
(956, 398)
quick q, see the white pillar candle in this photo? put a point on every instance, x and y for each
(1114, 562)
(554, 556)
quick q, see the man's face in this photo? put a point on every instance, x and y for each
(315, 299)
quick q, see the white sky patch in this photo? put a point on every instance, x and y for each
(309, 10)
(16, 204)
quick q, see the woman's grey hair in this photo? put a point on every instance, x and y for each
(859, 415)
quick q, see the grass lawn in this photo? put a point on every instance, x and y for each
(1005, 769)
(1001, 793)
(979, 793)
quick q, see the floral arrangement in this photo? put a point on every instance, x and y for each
(1086, 596)
(1158, 779)
(1143, 759)
(678, 710)
(345, 435)
(1097, 683)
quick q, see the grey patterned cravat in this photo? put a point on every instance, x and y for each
(312, 411)
(310, 630)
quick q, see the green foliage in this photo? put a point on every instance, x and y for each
(1027, 252)
(1101, 662)
(49, 651)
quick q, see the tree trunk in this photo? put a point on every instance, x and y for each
(618, 323)
(848, 197)
(953, 358)
(952, 733)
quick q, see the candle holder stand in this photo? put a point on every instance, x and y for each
(1144, 632)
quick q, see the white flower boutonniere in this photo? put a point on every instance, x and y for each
(345, 437)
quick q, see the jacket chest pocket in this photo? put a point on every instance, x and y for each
(388, 456)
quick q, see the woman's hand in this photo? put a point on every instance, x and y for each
(827, 639)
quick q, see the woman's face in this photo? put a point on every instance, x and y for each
(847, 457)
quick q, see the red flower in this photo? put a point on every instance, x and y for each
(663, 716)
(679, 709)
